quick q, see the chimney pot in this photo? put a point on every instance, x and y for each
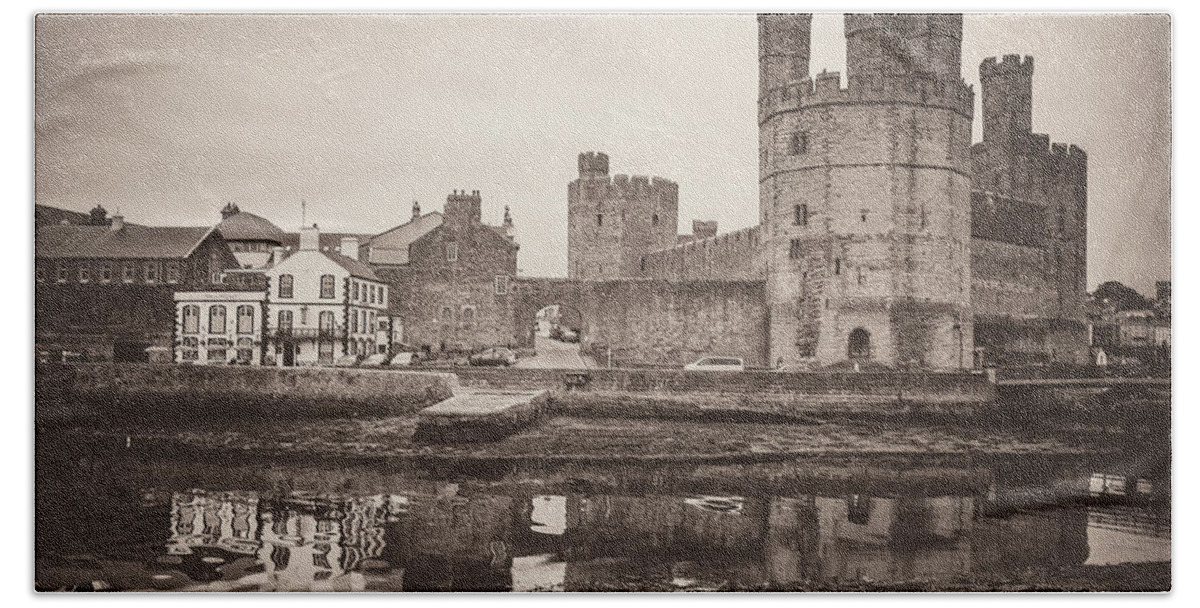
(118, 222)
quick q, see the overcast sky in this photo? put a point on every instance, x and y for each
(169, 117)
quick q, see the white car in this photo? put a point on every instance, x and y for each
(714, 364)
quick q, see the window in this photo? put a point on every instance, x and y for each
(451, 252)
(303, 316)
(191, 319)
(245, 350)
(39, 274)
(837, 266)
(355, 297)
(285, 285)
(372, 294)
(285, 320)
(190, 349)
(85, 273)
(150, 272)
(382, 295)
(654, 220)
(860, 275)
(803, 213)
(172, 272)
(245, 319)
(326, 286)
(325, 322)
(798, 144)
(216, 352)
(325, 353)
(127, 272)
(863, 215)
(501, 283)
(60, 274)
(468, 315)
(362, 322)
(354, 323)
(795, 251)
(371, 318)
(106, 272)
(446, 314)
(599, 219)
(218, 278)
(216, 319)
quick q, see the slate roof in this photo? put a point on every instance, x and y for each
(243, 226)
(131, 242)
(391, 247)
(353, 266)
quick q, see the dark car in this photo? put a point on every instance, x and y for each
(495, 357)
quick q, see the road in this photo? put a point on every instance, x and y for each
(552, 354)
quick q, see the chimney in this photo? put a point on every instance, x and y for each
(509, 230)
(229, 211)
(416, 210)
(310, 238)
(277, 255)
(350, 247)
(118, 222)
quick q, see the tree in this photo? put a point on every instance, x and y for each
(1120, 296)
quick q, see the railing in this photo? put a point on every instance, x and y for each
(308, 332)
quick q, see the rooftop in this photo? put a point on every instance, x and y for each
(244, 226)
(130, 242)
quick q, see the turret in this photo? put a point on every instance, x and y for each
(900, 45)
(1007, 90)
(593, 164)
(783, 50)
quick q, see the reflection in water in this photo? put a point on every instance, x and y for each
(440, 537)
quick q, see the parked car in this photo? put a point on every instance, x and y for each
(498, 356)
(375, 360)
(713, 364)
(404, 359)
(347, 361)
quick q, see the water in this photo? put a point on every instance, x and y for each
(104, 522)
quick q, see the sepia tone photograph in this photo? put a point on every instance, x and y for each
(598, 302)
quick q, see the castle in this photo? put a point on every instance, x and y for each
(883, 234)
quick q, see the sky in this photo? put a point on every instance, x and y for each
(168, 117)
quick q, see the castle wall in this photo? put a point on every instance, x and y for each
(735, 255)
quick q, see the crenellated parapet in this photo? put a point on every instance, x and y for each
(825, 89)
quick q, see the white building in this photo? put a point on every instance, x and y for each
(219, 327)
(323, 304)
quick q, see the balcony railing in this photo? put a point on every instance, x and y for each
(308, 332)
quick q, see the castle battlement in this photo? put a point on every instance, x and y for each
(1008, 65)
(627, 186)
(462, 196)
(826, 89)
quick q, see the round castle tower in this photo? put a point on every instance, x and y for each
(865, 196)
(613, 221)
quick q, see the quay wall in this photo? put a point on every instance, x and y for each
(173, 390)
(930, 388)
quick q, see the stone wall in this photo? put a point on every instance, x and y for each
(734, 255)
(173, 391)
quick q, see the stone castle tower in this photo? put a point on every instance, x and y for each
(613, 221)
(865, 193)
(1029, 218)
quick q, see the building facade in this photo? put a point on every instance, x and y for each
(323, 305)
(105, 290)
(451, 273)
(220, 327)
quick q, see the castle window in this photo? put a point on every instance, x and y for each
(286, 284)
(654, 220)
(599, 219)
(837, 266)
(451, 252)
(216, 319)
(126, 272)
(795, 251)
(500, 285)
(245, 319)
(326, 286)
(85, 273)
(191, 319)
(798, 144)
